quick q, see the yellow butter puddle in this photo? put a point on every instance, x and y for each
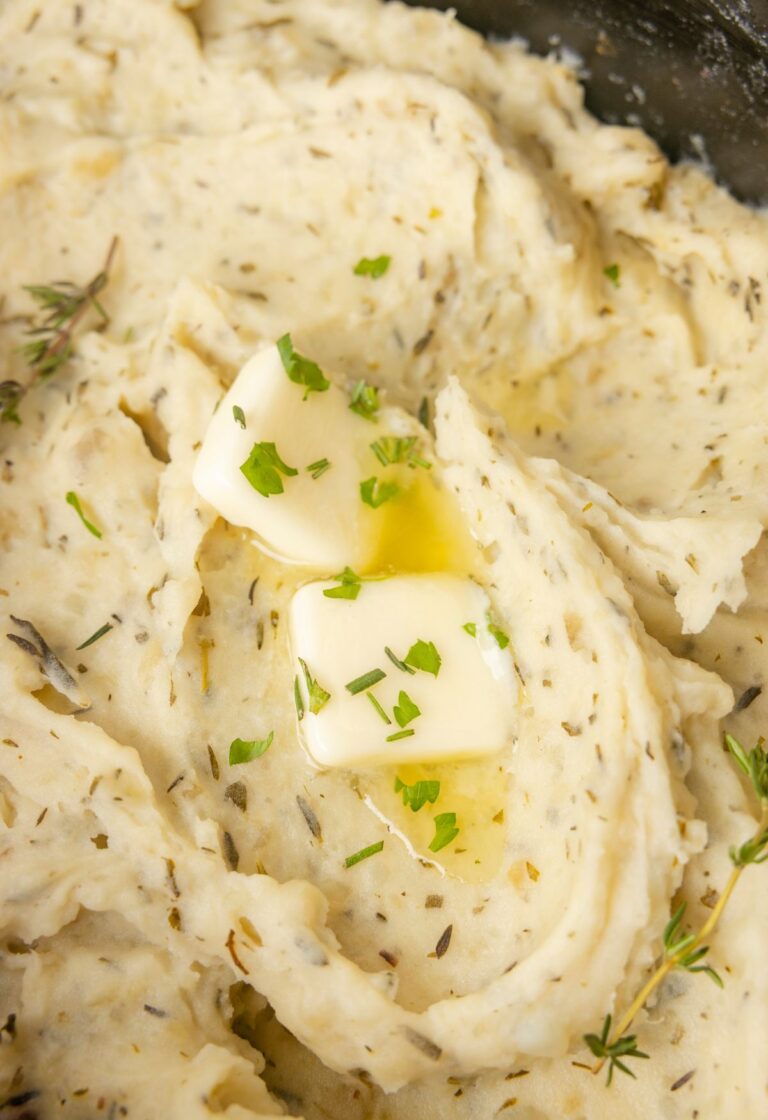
(420, 530)
(475, 791)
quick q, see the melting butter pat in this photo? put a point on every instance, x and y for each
(464, 710)
(319, 518)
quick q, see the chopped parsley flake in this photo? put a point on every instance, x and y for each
(612, 272)
(375, 493)
(502, 639)
(238, 414)
(102, 630)
(263, 467)
(423, 655)
(245, 750)
(423, 413)
(349, 586)
(471, 629)
(401, 665)
(405, 711)
(301, 370)
(374, 268)
(365, 400)
(399, 449)
(319, 467)
(364, 853)
(401, 735)
(318, 697)
(445, 831)
(367, 680)
(378, 707)
(73, 500)
(417, 795)
(298, 698)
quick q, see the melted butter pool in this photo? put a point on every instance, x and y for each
(422, 530)
(475, 791)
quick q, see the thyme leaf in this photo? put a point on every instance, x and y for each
(102, 630)
(238, 415)
(613, 1051)
(50, 346)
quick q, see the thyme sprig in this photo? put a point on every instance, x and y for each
(687, 950)
(611, 1050)
(50, 346)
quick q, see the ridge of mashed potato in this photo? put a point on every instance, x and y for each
(180, 936)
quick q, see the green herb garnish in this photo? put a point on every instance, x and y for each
(374, 268)
(445, 831)
(65, 304)
(364, 853)
(471, 629)
(73, 500)
(417, 795)
(423, 655)
(401, 665)
(318, 697)
(375, 493)
(245, 750)
(239, 415)
(405, 711)
(502, 639)
(365, 400)
(399, 449)
(318, 468)
(298, 699)
(687, 950)
(102, 630)
(349, 586)
(263, 467)
(612, 272)
(301, 370)
(378, 707)
(678, 944)
(400, 735)
(613, 1051)
(423, 414)
(367, 680)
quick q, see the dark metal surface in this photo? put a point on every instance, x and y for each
(690, 72)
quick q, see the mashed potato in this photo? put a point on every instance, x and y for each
(583, 329)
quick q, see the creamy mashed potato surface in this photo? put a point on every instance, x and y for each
(584, 330)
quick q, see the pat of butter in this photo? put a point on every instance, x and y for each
(316, 520)
(467, 710)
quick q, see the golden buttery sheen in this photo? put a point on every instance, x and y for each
(184, 937)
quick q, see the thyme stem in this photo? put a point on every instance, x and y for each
(674, 960)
